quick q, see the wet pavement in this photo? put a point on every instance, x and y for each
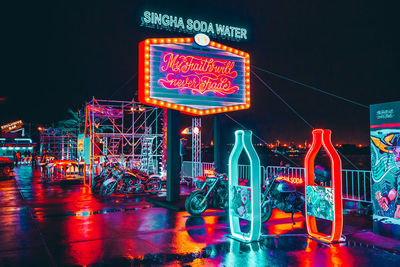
(65, 225)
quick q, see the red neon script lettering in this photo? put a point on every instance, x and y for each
(198, 74)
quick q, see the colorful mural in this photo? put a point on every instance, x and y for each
(385, 160)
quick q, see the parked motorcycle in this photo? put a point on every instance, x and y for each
(281, 195)
(107, 171)
(130, 181)
(213, 193)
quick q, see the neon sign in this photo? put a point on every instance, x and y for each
(176, 73)
(328, 199)
(12, 126)
(209, 172)
(244, 201)
(169, 22)
(199, 74)
(292, 180)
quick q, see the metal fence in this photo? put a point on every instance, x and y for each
(187, 168)
(356, 184)
(292, 172)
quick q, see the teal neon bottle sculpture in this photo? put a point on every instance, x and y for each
(244, 201)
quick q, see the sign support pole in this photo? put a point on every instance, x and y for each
(218, 147)
(173, 157)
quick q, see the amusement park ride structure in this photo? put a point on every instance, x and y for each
(126, 132)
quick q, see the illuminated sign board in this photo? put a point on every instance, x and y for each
(292, 180)
(178, 74)
(12, 126)
(192, 26)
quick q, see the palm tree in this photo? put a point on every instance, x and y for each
(71, 125)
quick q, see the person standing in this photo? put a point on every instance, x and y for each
(18, 158)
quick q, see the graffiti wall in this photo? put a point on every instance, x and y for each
(385, 162)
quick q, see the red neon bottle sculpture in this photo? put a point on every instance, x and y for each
(322, 138)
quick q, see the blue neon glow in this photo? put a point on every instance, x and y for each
(243, 141)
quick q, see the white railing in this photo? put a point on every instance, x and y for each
(292, 172)
(187, 167)
(356, 184)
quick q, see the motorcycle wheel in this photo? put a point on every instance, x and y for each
(96, 185)
(6, 171)
(302, 208)
(154, 185)
(266, 212)
(193, 203)
(108, 187)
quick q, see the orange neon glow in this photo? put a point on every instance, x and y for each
(281, 223)
(209, 172)
(144, 76)
(322, 138)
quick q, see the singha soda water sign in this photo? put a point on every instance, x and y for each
(178, 74)
(192, 26)
(385, 166)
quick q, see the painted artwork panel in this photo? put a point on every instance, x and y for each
(320, 202)
(240, 202)
(385, 160)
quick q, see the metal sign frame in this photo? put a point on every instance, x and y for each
(146, 71)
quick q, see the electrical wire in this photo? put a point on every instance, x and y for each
(309, 86)
(301, 117)
(259, 138)
(280, 98)
(125, 84)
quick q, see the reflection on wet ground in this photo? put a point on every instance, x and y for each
(48, 225)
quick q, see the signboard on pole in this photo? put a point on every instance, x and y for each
(12, 126)
(177, 73)
(83, 148)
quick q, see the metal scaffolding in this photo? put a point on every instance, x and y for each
(196, 147)
(122, 131)
(61, 145)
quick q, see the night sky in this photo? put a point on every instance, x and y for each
(59, 54)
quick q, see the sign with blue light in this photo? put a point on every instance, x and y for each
(177, 73)
(244, 201)
(193, 26)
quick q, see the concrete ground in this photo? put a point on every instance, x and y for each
(65, 225)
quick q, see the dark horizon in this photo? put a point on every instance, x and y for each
(63, 53)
